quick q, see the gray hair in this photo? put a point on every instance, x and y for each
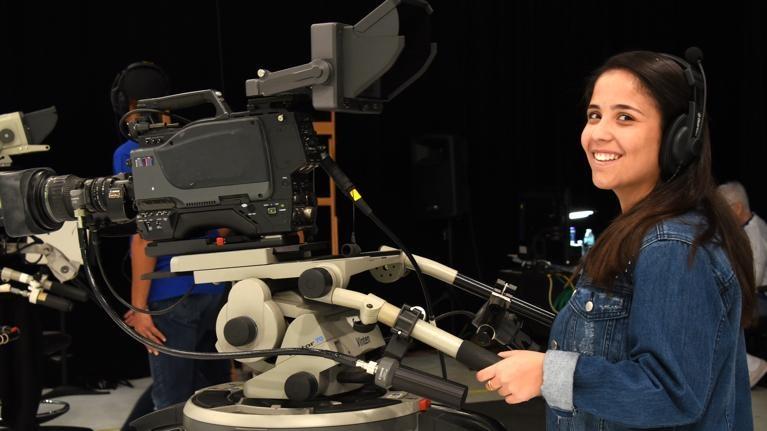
(734, 191)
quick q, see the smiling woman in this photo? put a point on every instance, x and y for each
(652, 336)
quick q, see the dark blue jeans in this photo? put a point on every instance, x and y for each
(189, 326)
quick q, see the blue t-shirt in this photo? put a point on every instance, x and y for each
(164, 288)
(121, 157)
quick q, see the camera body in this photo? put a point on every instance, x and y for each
(251, 174)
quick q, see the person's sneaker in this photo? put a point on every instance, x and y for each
(757, 368)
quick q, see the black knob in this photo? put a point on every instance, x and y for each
(363, 328)
(301, 386)
(240, 331)
(315, 283)
(351, 250)
(485, 335)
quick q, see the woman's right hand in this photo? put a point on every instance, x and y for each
(144, 326)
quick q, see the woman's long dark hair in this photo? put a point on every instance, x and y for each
(693, 188)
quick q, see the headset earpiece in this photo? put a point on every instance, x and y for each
(676, 137)
(682, 139)
(118, 97)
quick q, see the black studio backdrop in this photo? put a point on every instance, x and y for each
(508, 77)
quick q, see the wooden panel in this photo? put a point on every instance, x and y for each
(324, 128)
(328, 128)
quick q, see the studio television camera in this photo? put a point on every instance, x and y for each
(250, 172)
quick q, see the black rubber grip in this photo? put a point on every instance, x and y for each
(70, 292)
(475, 357)
(344, 183)
(428, 386)
(55, 302)
(332, 169)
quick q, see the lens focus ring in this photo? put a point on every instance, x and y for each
(57, 196)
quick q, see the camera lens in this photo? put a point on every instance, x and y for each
(35, 201)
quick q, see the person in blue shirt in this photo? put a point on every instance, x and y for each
(191, 324)
(653, 335)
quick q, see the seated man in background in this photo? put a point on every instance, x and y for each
(756, 230)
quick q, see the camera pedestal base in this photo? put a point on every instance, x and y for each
(223, 407)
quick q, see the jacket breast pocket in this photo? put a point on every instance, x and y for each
(598, 322)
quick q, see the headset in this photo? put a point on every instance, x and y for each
(120, 99)
(683, 139)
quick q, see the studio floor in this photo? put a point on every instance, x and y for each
(107, 412)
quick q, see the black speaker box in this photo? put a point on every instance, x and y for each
(439, 172)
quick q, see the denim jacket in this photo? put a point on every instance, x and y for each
(663, 349)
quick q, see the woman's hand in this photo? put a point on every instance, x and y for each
(517, 378)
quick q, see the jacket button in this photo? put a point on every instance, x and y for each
(554, 345)
(589, 306)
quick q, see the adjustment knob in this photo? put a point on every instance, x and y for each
(240, 331)
(7, 136)
(315, 283)
(485, 335)
(301, 386)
